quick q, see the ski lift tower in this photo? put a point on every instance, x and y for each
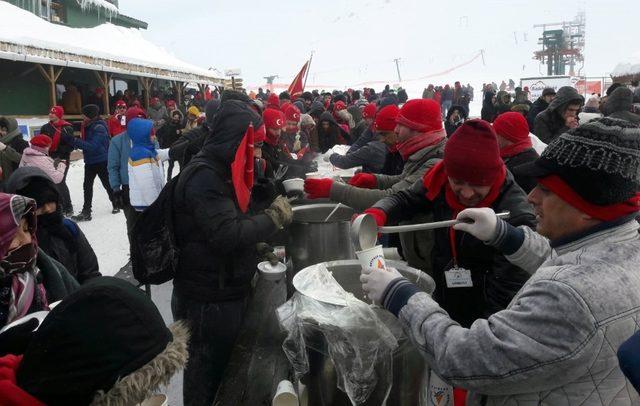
(562, 45)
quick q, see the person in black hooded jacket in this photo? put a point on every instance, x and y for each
(191, 142)
(216, 237)
(59, 237)
(455, 117)
(560, 116)
(330, 133)
(488, 112)
(540, 105)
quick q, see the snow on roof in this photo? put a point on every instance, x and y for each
(99, 4)
(106, 42)
(627, 68)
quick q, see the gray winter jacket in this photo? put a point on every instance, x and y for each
(556, 343)
(415, 167)
(619, 105)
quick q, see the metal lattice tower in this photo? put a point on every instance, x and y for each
(562, 46)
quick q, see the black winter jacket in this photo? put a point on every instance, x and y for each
(516, 163)
(393, 164)
(216, 240)
(549, 124)
(64, 149)
(488, 112)
(63, 241)
(495, 280)
(371, 157)
(537, 107)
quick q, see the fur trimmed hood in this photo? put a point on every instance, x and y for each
(141, 384)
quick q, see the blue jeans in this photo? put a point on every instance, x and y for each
(214, 329)
(446, 105)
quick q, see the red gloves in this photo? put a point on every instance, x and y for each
(318, 188)
(364, 180)
(379, 215)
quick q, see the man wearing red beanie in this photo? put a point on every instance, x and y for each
(516, 148)
(56, 129)
(272, 151)
(473, 280)
(117, 121)
(556, 342)
(363, 133)
(370, 157)
(293, 140)
(421, 146)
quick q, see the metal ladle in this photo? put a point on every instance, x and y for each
(364, 230)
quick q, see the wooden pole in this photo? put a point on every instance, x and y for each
(103, 80)
(51, 76)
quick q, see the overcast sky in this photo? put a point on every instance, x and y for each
(356, 41)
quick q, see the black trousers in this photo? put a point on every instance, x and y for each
(90, 172)
(130, 214)
(63, 190)
(214, 329)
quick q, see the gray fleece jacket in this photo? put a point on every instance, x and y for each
(556, 343)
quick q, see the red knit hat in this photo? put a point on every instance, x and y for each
(386, 118)
(284, 106)
(340, 105)
(121, 103)
(41, 141)
(273, 102)
(260, 135)
(273, 119)
(472, 155)
(369, 111)
(58, 111)
(134, 112)
(511, 126)
(422, 115)
(292, 113)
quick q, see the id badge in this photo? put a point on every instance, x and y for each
(458, 278)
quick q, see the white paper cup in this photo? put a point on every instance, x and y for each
(285, 395)
(372, 257)
(293, 185)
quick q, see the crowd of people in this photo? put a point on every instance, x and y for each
(537, 308)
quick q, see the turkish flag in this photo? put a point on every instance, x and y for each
(297, 86)
(242, 170)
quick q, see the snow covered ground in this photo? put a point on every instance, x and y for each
(106, 232)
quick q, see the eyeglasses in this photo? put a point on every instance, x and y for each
(121, 108)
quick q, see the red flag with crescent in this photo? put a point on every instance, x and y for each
(242, 170)
(297, 86)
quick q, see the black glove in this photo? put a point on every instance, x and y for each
(118, 199)
(17, 339)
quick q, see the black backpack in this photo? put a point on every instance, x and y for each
(154, 252)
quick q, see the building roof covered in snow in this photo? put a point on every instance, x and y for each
(107, 47)
(627, 69)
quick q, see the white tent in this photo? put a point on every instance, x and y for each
(108, 48)
(628, 70)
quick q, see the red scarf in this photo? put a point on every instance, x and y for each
(436, 179)
(392, 148)
(516, 148)
(242, 170)
(604, 213)
(56, 136)
(414, 144)
(10, 393)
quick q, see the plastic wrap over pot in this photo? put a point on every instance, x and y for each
(345, 328)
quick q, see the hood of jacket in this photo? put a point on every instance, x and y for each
(113, 343)
(13, 130)
(229, 126)
(22, 176)
(463, 112)
(565, 96)
(620, 99)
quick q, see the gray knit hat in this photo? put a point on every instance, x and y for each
(599, 160)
